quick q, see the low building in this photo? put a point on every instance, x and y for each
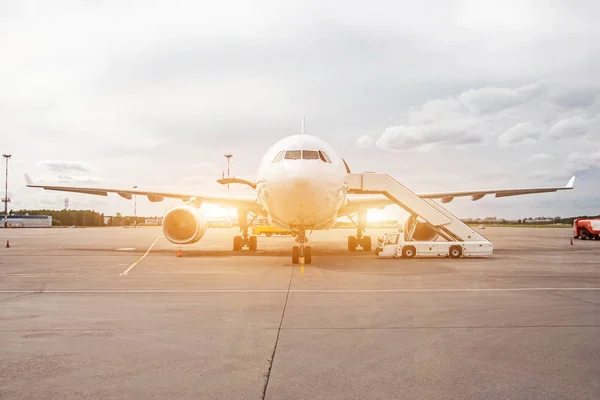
(153, 221)
(28, 221)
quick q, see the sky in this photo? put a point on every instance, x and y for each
(442, 95)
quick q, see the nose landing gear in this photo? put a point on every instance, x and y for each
(301, 251)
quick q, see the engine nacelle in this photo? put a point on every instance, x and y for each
(422, 231)
(184, 225)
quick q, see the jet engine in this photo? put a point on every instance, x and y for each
(184, 225)
(422, 231)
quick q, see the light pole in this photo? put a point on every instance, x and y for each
(228, 156)
(134, 209)
(6, 156)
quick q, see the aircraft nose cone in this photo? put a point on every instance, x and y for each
(300, 183)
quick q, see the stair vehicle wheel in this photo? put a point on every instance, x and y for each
(238, 243)
(366, 243)
(455, 251)
(252, 243)
(409, 252)
(295, 255)
(307, 255)
(352, 243)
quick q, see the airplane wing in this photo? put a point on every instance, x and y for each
(358, 201)
(249, 203)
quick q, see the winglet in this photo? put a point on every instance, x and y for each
(28, 180)
(571, 182)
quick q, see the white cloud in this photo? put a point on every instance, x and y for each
(425, 137)
(577, 162)
(65, 166)
(523, 133)
(493, 99)
(569, 128)
(467, 119)
(509, 116)
(364, 142)
(540, 157)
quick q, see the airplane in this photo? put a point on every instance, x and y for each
(302, 186)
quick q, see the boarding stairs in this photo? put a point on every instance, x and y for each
(426, 211)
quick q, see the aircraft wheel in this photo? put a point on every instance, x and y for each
(409, 252)
(366, 243)
(455, 252)
(238, 243)
(307, 255)
(352, 243)
(295, 255)
(252, 243)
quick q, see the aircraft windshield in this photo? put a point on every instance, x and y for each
(279, 156)
(323, 156)
(310, 155)
(293, 154)
(304, 155)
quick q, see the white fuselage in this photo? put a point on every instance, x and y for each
(301, 183)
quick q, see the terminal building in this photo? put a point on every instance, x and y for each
(27, 221)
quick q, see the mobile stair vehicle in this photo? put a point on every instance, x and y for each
(393, 245)
(431, 230)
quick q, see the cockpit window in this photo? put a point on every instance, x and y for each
(323, 156)
(310, 155)
(347, 167)
(293, 154)
(302, 154)
(279, 156)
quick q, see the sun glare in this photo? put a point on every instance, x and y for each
(214, 211)
(375, 215)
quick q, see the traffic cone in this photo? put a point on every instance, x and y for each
(179, 254)
(7, 244)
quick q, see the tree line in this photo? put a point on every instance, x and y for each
(530, 220)
(81, 217)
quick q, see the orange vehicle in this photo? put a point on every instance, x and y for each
(586, 229)
(262, 226)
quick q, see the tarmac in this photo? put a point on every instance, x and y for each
(112, 313)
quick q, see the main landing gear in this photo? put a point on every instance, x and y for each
(360, 240)
(301, 250)
(244, 240)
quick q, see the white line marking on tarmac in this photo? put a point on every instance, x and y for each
(141, 258)
(191, 291)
